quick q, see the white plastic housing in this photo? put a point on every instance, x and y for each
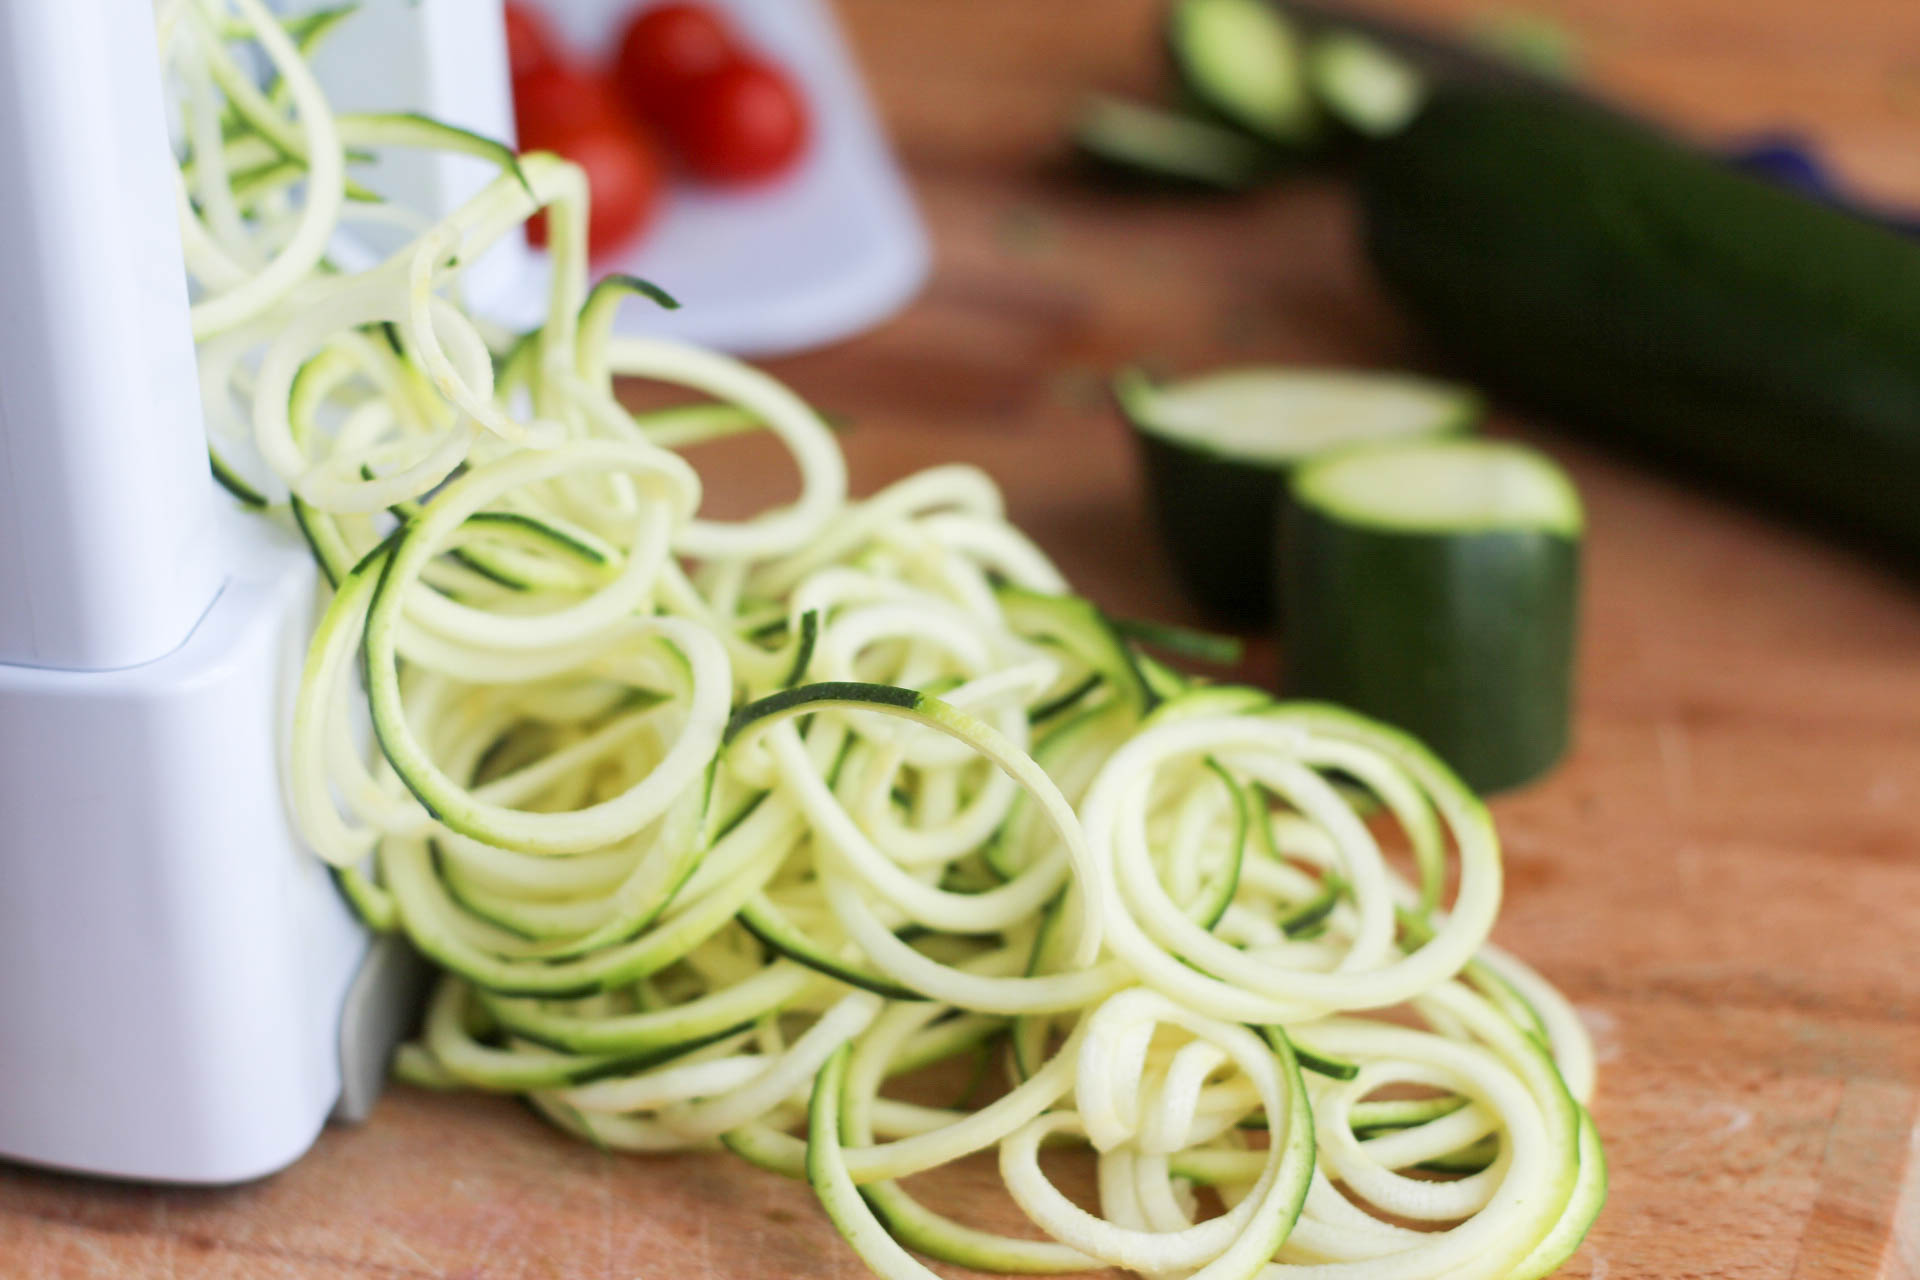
(105, 495)
(172, 963)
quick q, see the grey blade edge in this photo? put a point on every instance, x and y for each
(382, 1008)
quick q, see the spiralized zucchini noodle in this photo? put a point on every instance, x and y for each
(717, 827)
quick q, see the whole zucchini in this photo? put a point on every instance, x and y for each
(1645, 293)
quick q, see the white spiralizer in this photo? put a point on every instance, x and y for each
(175, 971)
(183, 995)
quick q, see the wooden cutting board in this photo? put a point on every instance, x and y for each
(1725, 877)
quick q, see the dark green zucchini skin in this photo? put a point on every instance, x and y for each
(1649, 296)
(1464, 639)
(1219, 519)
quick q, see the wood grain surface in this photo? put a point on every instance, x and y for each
(1725, 876)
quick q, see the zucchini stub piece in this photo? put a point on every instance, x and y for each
(1217, 450)
(1435, 585)
(1363, 86)
(1158, 145)
(1241, 59)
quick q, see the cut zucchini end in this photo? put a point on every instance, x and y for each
(1157, 144)
(1362, 85)
(1242, 59)
(1218, 450)
(1275, 416)
(1443, 486)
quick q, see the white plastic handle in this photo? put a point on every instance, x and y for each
(106, 501)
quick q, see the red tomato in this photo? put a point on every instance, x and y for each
(623, 174)
(741, 123)
(558, 98)
(531, 43)
(665, 47)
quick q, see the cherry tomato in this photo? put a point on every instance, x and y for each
(624, 175)
(531, 44)
(664, 48)
(742, 123)
(555, 99)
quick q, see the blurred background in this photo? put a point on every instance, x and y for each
(1044, 282)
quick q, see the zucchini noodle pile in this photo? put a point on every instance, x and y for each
(717, 827)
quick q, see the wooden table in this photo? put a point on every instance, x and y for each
(1725, 877)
